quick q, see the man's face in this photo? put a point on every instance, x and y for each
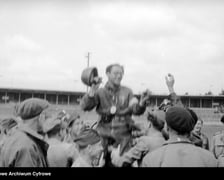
(198, 127)
(41, 120)
(115, 75)
(77, 127)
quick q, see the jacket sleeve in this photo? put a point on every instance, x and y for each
(87, 103)
(135, 153)
(175, 100)
(24, 158)
(136, 108)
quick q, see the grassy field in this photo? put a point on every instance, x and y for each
(209, 128)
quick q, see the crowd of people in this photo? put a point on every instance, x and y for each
(38, 136)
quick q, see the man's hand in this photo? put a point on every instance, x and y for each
(133, 101)
(170, 82)
(116, 159)
(145, 96)
(93, 89)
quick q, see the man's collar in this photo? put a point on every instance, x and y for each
(174, 140)
(53, 141)
(197, 134)
(30, 131)
(110, 87)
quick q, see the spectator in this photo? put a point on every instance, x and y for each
(203, 137)
(59, 154)
(26, 147)
(90, 149)
(151, 141)
(178, 151)
(217, 146)
(115, 105)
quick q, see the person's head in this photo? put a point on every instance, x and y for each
(198, 126)
(179, 120)
(76, 127)
(157, 122)
(194, 115)
(53, 127)
(89, 144)
(166, 103)
(156, 119)
(7, 124)
(33, 112)
(115, 73)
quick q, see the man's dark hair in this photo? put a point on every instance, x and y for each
(108, 69)
(194, 115)
(156, 121)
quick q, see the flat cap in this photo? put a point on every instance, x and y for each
(31, 108)
(180, 119)
(73, 117)
(87, 137)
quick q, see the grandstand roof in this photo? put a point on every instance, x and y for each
(81, 93)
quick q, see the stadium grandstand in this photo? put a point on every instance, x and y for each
(208, 107)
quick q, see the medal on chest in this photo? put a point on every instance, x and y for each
(113, 108)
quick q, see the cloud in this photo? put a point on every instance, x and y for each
(163, 33)
(45, 44)
(134, 21)
(21, 43)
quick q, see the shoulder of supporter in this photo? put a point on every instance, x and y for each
(207, 155)
(154, 158)
(73, 151)
(126, 89)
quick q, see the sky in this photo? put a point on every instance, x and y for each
(44, 44)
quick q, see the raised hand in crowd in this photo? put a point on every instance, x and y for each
(170, 82)
(145, 96)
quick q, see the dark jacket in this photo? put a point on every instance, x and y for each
(24, 148)
(120, 124)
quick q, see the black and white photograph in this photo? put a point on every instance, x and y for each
(111, 84)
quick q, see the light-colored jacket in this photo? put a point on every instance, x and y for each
(61, 154)
(179, 154)
(217, 145)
